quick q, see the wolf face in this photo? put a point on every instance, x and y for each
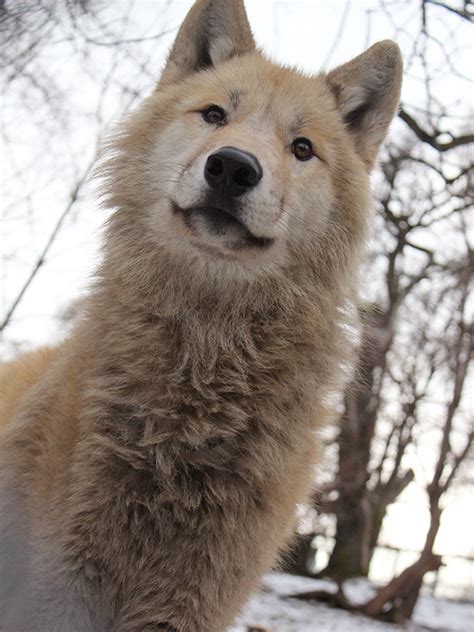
(251, 177)
(235, 165)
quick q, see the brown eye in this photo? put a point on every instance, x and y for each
(214, 115)
(303, 148)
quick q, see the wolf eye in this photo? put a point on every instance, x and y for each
(302, 148)
(214, 115)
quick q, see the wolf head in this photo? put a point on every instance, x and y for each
(236, 168)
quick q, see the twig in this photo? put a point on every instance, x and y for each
(51, 239)
(430, 139)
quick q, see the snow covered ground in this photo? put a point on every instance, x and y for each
(272, 609)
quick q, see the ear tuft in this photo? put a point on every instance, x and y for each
(367, 92)
(212, 32)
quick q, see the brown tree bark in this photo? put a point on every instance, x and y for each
(351, 554)
(396, 601)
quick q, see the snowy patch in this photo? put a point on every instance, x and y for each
(272, 608)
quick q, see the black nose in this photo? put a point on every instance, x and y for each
(232, 170)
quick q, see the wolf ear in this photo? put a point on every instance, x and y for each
(212, 32)
(367, 91)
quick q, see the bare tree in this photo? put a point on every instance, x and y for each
(447, 351)
(53, 116)
(420, 253)
(374, 440)
(396, 601)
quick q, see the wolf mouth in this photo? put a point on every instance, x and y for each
(222, 222)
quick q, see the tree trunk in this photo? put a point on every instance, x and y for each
(384, 495)
(396, 601)
(351, 553)
(378, 512)
(350, 556)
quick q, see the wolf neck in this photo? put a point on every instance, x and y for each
(199, 337)
(177, 383)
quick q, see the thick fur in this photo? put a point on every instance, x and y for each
(153, 462)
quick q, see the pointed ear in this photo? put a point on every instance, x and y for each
(367, 91)
(212, 32)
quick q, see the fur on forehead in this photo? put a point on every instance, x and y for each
(255, 79)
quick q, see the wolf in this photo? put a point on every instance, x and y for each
(153, 462)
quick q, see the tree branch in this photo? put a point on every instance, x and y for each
(462, 13)
(42, 257)
(431, 139)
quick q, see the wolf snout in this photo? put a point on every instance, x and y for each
(232, 171)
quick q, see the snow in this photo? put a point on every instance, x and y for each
(442, 614)
(272, 608)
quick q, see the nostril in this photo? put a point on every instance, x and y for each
(215, 166)
(243, 177)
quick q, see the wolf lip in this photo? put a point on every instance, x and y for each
(219, 218)
(222, 222)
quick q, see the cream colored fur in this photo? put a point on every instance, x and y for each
(151, 465)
